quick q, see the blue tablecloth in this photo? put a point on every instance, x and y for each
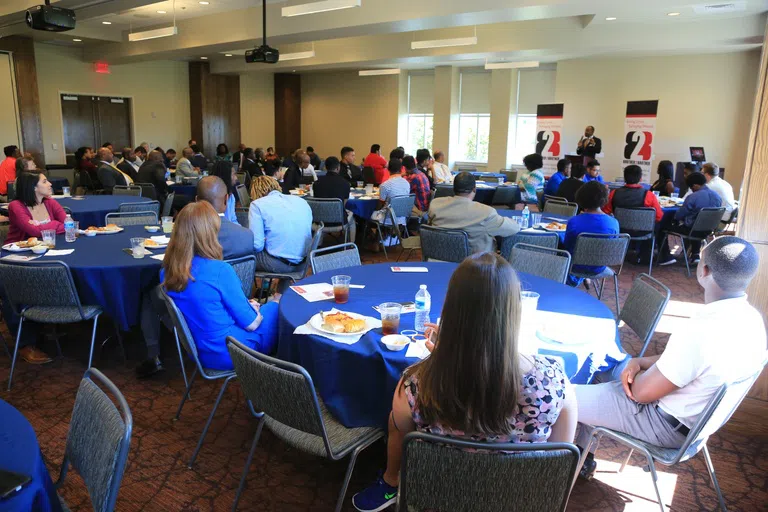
(485, 191)
(184, 190)
(20, 453)
(357, 381)
(669, 215)
(480, 174)
(107, 276)
(91, 210)
(545, 217)
(362, 208)
(58, 182)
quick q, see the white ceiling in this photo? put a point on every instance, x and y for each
(378, 33)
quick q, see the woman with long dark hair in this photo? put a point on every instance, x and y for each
(665, 184)
(476, 385)
(34, 210)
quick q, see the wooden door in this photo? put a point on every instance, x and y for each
(78, 114)
(113, 120)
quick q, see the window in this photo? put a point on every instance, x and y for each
(525, 138)
(474, 132)
(419, 133)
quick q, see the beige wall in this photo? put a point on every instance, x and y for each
(159, 92)
(344, 109)
(257, 110)
(704, 100)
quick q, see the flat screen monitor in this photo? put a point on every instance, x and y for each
(697, 155)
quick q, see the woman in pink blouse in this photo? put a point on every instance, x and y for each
(33, 211)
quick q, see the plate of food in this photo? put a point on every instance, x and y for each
(109, 229)
(23, 245)
(339, 323)
(557, 227)
(152, 244)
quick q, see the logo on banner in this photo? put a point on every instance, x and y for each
(549, 128)
(639, 130)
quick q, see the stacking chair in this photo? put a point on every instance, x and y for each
(600, 250)
(644, 308)
(335, 257)
(489, 179)
(505, 197)
(563, 208)
(98, 440)
(244, 179)
(715, 415)
(330, 212)
(542, 262)
(399, 206)
(640, 224)
(44, 292)
(242, 216)
(706, 223)
(444, 191)
(732, 219)
(445, 473)
(127, 190)
(245, 268)
(559, 199)
(511, 175)
(184, 338)
(242, 196)
(67, 210)
(147, 190)
(62, 172)
(123, 219)
(301, 269)
(11, 191)
(547, 240)
(168, 204)
(87, 183)
(441, 244)
(287, 403)
(143, 206)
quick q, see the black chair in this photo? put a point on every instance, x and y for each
(547, 240)
(441, 244)
(147, 190)
(505, 197)
(706, 223)
(640, 224)
(127, 190)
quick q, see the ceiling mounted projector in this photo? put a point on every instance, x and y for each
(263, 53)
(50, 18)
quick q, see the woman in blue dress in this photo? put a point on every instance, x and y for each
(208, 292)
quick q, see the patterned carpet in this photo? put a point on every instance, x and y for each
(282, 479)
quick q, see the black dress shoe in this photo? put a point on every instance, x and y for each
(149, 368)
(588, 469)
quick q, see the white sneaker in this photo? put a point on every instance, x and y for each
(667, 262)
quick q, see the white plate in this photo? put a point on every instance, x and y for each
(12, 247)
(317, 322)
(158, 246)
(543, 225)
(118, 230)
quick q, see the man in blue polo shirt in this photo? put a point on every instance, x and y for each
(554, 181)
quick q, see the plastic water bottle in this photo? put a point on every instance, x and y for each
(526, 217)
(69, 229)
(167, 174)
(423, 303)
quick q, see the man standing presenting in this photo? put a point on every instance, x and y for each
(658, 399)
(589, 146)
(481, 222)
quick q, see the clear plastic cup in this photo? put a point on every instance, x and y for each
(341, 288)
(49, 238)
(674, 195)
(535, 219)
(530, 302)
(656, 193)
(167, 224)
(137, 247)
(390, 317)
(369, 189)
(65, 191)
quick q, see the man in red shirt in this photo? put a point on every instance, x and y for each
(8, 168)
(378, 164)
(633, 194)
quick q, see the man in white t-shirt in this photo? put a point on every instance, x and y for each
(721, 187)
(659, 398)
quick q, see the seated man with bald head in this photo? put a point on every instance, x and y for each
(236, 241)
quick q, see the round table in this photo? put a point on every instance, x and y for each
(362, 208)
(20, 453)
(58, 182)
(91, 210)
(183, 190)
(357, 381)
(545, 217)
(107, 276)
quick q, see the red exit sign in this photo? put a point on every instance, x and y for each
(101, 67)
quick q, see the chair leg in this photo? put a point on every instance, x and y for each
(247, 467)
(15, 352)
(381, 240)
(653, 246)
(181, 358)
(93, 340)
(186, 395)
(711, 469)
(655, 478)
(599, 289)
(685, 256)
(348, 477)
(616, 290)
(120, 342)
(664, 241)
(626, 461)
(592, 441)
(210, 419)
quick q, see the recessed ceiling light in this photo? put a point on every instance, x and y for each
(204, 3)
(160, 12)
(673, 14)
(610, 18)
(227, 54)
(203, 58)
(106, 22)
(78, 40)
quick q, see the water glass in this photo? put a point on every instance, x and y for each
(65, 191)
(390, 317)
(521, 222)
(528, 322)
(674, 195)
(49, 238)
(501, 180)
(535, 219)
(529, 302)
(179, 178)
(167, 224)
(656, 193)
(369, 189)
(137, 247)
(360, 184)
(341, 288)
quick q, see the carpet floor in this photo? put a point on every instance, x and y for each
(283, 479)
